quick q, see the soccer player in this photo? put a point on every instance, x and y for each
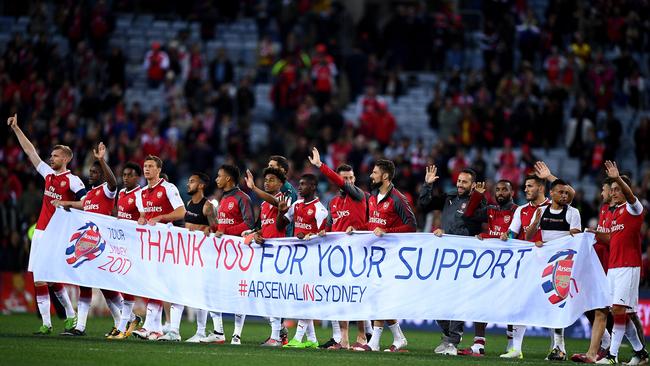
(535, 190)
(348, 211)
(128, 202)
(60, 184)
(162, 203)
(199, 215)
(389, 212)
(274, 179)
(624, 264)
(498, 218)
(600, 335)
(280, 162)
(235, 217)
(309, 216)
(100, 199)
(556, 220)
(451, 205)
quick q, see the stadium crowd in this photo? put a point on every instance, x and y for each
(532, 68)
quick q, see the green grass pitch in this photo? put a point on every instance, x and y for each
(19, 347)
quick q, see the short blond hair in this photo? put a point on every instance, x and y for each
(66, 150)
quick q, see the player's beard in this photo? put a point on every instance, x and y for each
(374, 186)
(502, 200)
(192, 192)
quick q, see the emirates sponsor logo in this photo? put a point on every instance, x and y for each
(124, 215)
(343, 213)
(91, 207)
(617, 227)
(226, 221)
(302, 225)
(153, 209)
(377, 220)
(602, 229)
(266, 222)
(53, 195)
(496, 232)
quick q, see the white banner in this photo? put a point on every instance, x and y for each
(360, 276)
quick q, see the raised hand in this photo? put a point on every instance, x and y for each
(314, 158)
(480, 187)
(13, 121)
(100, 151)
(542, 170)
(250, 181)
(283, 204)
(611, 169)
(431, 174)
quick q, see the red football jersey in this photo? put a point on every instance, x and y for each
(625, 235)
(268, 215)
(604, 223)
(235, 214)
(499, 219)
(392, 213)
(308, 217)
(129, 204)
(161, 199)
(522, 218)
(349, 207)
(58, 186)
(99, 200)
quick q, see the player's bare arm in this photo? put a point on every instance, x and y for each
(68, 204)
(210, 214)
(250, 183)
(531, 230)
(177, 214)
(543, 171)
(611, 169)
(100, 154)
(24, 142)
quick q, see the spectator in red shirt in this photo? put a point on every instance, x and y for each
(156, 63)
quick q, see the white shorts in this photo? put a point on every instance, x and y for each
(37, 238)
(624, 286)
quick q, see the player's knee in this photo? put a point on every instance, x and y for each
(618, 310)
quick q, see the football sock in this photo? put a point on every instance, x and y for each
(43, 301)
(176, 315)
